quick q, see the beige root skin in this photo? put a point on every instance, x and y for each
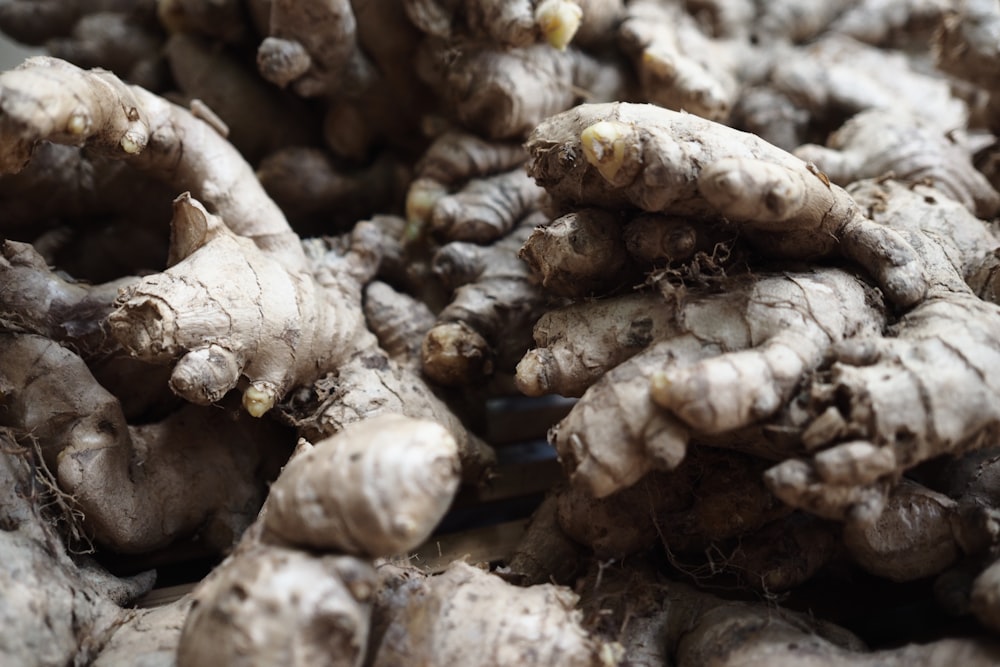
(923, 392)
(679, 67)
(377, 488)
(486, 327)
(769, 327)
(577, 344)
(486, 209)
(662, 161)
(578, 254)
(965, 45)
(140, 487)
(883, 141)
(398, 320)
(539, 625)
(504, 94)
(95, 109)
(146, 636)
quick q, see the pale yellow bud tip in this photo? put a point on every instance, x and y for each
(132, 143)
(77, 124)
(258, 399)
(604, 147)
(558, 20)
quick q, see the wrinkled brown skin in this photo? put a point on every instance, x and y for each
(928, 389)
(544, 554)
(657, 160)
(679, 67)
(504, 94)
(224, 20)
(56, 610)
(97, 110)
(312, 46)
(709, 372)
(808, 91)
(796, 20)
(507, 23)
(260, 119)
(485, 209)
(577, 344)
(487, 325)
(579, 254)
(912, 539)
(532, 626)
(315, 192)
(877, 142)
(140, 488)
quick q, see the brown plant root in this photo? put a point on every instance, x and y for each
(765, 327)
(55, 611)
(520, 23)
(539, 626)
(883, 141)
(139, 487)
(487, 325)
(925, 391)
(612, 155)
(377, 488)
(505, 93)
(679, 67)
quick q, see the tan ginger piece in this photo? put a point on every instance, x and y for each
(504, 93)
(801, 94)
(139, 487)
(893, 23)
(377, 488)
(232, 334)
(95, 109)
(398, 320)
(879, 142)
(912, 539)
(679, 67)
(544, 554)
(662, 161)
(773, 329)
(796, 20)
(485, 209)
(487, 325)
(965, 45)
(312, 46)
(259, 119)
(454, 158)
(509, 24)
(57, 609)
(579, 254)
(577, 344)
(889, 403)
(429, 617)
(272, 605)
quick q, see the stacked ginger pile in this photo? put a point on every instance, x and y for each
(755, 239)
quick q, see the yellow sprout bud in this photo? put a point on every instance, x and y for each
(604, 146)
(77, 124)
(258, 399)
(558, 20)
(132, 143)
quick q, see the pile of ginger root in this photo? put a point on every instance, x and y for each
(266, 266)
